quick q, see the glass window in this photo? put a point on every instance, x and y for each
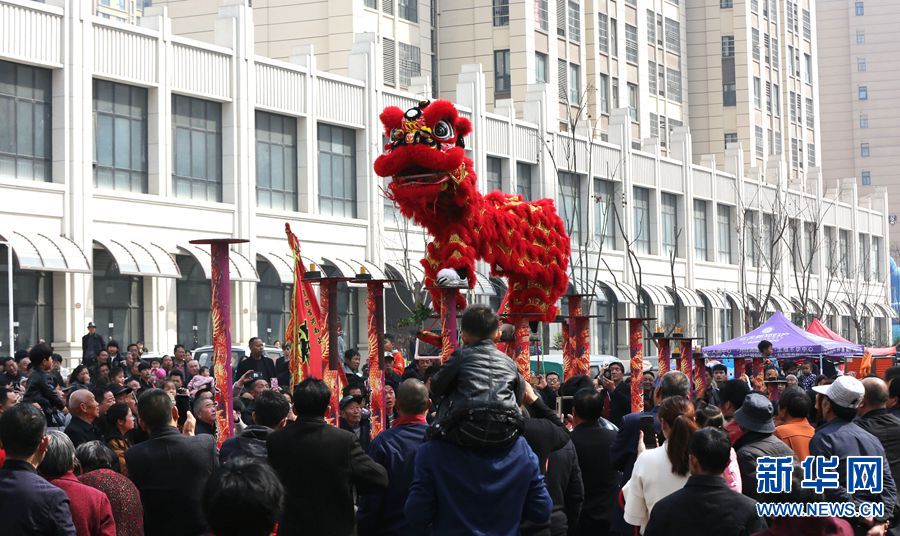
(700, 230)
(633, 102)
(570, 203)
(371, 3)
(494, 174)
(541, 14)
(730, 138)
(32, 305)
(408, 9)
(273, 303)
(523, 180)
(642, 220)
(410, 63)
(197, 155)
(673, 84)
(860, 9)
(863, 92)
(603, 32)
(759, 142)
(574, 22)
(631, 44)
(669, 224)
(755, 43)
(877, 264)
(118, 299)
(120, 137)
(729, 95)
(193, 295)
(673, 36)
(860, 37)
(726, 3)
(863, 121)
(604, 215)
(861, 65)
(864, 150)
(727, 46)
(604, 93)
(844, 244)
(501, 12)
(501, 73)
(337, 171)
(866, 178)
(606, 324)
(540, 67)
(574, 84)
(25, 136)
(276, 161)
(723, 224)
(757, 93)
(613, 38)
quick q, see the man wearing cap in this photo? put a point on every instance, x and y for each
(352, 421)
(755, 420)
(91, 344)
(841, 437)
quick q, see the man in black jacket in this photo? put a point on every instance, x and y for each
(270, 411)
(257, 361)
(705, 505)
(592, 443)
(170, 469)
(478, 388)
(40, 383)
(85, 410)
(875, 419)
(29, 504)
(91, 344)
(319, 465)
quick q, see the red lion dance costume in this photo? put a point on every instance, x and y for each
(435, 185)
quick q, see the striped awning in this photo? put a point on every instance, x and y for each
(688, 297)
(47, 252)
(146, 259)
(240, 267)
(716, 300)
(658, 294)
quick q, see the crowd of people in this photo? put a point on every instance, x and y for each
(125, 445)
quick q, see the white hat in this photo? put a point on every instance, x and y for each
(846, 391)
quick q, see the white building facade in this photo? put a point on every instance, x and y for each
(119, 144)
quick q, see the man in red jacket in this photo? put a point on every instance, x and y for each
(91, 511)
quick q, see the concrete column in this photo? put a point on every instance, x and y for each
(307, 139)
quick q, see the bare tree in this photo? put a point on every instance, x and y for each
(416, 302)
(855, 288)
(808, 223)
(762, 254)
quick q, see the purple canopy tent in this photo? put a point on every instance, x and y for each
(788, 340)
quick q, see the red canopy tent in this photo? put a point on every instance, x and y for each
(818, 328)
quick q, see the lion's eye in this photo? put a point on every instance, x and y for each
(442, 130)
(396, 134)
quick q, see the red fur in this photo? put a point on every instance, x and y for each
(526, 242)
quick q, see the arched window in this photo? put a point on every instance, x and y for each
(194, 298)
(118, 300)
(273, 303)
(32, 305)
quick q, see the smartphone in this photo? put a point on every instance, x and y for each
(649, 430)
(183, 403)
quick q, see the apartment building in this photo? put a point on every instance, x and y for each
(861, 93)
(403, 29)
(752, 80)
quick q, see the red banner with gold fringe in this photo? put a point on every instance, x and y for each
(376, 375)
(305, 329)
(636, 347)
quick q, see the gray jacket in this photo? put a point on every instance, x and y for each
(750, 451)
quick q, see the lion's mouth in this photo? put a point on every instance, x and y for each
(418, 175)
